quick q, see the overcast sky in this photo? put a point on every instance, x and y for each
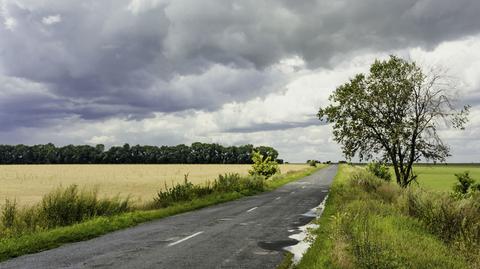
(232, 72)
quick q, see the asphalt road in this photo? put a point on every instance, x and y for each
(246, 233)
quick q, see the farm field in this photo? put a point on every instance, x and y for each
(28, 183)
(442, 177)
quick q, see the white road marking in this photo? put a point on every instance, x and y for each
(184, 239)
(303, 187)
(292, 192)
(251, 209)
(278, 198)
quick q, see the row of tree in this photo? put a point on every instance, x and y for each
(197, 153)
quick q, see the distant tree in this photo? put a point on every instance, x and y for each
(267, 152)
(197, 153)
(393, 114)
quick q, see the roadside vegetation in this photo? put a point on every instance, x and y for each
(71, 214)
(370, 222)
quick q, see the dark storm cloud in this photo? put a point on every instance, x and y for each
(130, 59)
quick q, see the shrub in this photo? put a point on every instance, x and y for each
(312, 163)
(365, 180)
(180, 192)
(263, 167)
(464, 184)
(379, 170)
(223, 184)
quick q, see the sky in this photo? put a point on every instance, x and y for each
(163, 72)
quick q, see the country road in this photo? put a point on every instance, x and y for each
(246, 233)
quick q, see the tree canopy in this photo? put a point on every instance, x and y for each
(394, 114)
(197, 153)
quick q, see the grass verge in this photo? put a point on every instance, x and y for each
(11, 247)
(367, 224)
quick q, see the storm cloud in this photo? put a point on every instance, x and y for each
(95, 61)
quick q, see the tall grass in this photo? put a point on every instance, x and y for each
(223, 184)
(61, 207)
(455, 221)
(371, 223)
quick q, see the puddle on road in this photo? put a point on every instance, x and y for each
(304, 239)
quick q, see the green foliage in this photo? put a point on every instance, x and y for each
(198, 153)
(223, 184)
(312, 163)
(464, 184)
(393, 112)
(66, 206)
(61, 207)
(455, 221)
(186, 191)
(379, 170)
(263, 166)
(371, 223)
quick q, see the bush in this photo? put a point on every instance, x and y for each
(223, 184)
(379, 170)
(312, 163)
(365, 180)
(263, 167)
(465, 184)
(180, 192)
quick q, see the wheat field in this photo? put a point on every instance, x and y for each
(28, 183)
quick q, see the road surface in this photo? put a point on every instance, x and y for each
(246, 233)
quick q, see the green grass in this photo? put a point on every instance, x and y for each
(442, 177)
(318, 255)
(366, 225)
(11, 247)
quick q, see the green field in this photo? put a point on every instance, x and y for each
(442, 177)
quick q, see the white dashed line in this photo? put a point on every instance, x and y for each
(278, 198)
(184, 239)
(251, 209)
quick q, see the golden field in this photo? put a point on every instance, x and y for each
(28, 183)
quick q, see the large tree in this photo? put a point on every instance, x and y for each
(394, 113)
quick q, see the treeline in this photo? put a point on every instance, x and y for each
(197, 153)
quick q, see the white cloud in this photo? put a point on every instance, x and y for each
(52, 19)
(10, 23)
(102, 139)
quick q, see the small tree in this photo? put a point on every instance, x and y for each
(379, 170)
(464, 183)
(393, 114)
(263, 166)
